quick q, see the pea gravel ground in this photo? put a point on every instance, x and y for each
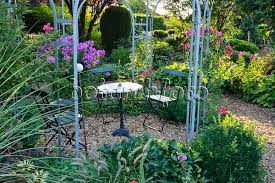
(264, 120)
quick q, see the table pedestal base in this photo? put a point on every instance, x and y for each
(121, 132)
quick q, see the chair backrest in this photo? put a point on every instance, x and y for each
(174, 72)
(102, 70)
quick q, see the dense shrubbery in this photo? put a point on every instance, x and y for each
(115, 24)
(160, 34)
(120, 56)
(158, 21)
(241, 45)
(230, 152)
(252, 80)
(165, 161)
(164, 54)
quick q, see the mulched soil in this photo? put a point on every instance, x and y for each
(264, 120)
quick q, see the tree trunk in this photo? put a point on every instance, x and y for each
(82, 19)
(92, 22)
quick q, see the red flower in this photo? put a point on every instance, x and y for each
(133, 181)
(223, 111)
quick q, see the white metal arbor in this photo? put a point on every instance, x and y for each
(197, 92)
(198, 54)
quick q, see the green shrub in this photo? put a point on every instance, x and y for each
(176, 41)
(160, 34)
(158, 21)
(163, 54)
(230, 152)
(161, 163)
(115, 24)
(241, 45)
(37, 16)
(265, 92)
(120, 55)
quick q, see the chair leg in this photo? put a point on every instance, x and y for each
(147, 116)
(99, 110)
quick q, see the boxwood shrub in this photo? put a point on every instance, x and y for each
(241, 45)
(230, 152)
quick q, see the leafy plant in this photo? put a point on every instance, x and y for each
(241, 45)
(163, 54)
(120, 56)
(166, 161)
(160, 34)
(230, 151)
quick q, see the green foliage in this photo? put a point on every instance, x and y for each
(10, 27)
(253, 80)
(175, 41)
(115, 24)
(230, 152)
(37, 16)
(137, 6)
(161, 163)
(158, 21)
(163, 54)
(241, 45)
(160, 34)
(120, 56)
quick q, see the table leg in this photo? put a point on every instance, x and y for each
(121, 111)
(122, 131)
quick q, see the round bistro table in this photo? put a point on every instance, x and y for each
(119, 89)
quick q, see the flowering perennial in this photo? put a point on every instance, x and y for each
(90, 56)
(223, 111)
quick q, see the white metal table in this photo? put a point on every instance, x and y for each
(119, 89)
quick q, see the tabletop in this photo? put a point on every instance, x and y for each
(120, 87)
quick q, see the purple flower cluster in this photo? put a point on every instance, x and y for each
(90, 55)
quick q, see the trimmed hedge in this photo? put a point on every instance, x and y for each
(115, 25)
(158, 21)
(241, 45)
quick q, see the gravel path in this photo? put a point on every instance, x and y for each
(99, 133)
(265, 125)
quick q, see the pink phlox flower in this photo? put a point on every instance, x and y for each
(100, 53)
(188, 33)
(82, 46)
(67, 39)
(240, 54)
(229, 50)
(51, 59)
(223, 111)
(252, 57)
(146, 74)
(95, 62)
(187, 46)
(47, 28)
(218, 42)
(219, 33)
(182, 157)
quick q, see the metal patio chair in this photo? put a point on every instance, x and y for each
(94, 95)
(160, 98)
(58, 117)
